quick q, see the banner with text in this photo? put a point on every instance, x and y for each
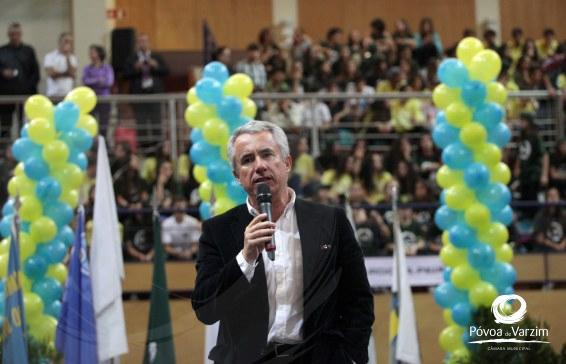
(423, 271)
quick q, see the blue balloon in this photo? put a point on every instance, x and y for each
(79, 159)
(196, 135)
(499, 135)
(457, 156)
(481, 256)
(445, 217)
(446, 274)
(209, 90)
(205, 210)
(25, 148)
(24, 130)
(501, 275)
(216, 70)
(48, 289)
(8, 208)
(6, 225)
(476, 176)
(496, 196)
(236, 124)
(24, 225)
(489, 114)
(442, 197)
(219, 171)
(453, 73)
(444, 134)
(473, 93)
(36, 168)
(462, 313)
(78, 140)
(54, 309)
(204, 153)
(441, 118)
(507, 290)
(35, 267)
(236, 191)
(66, 115)
(504, 216)
(230, 109)
(446, 295)
(66, 235)
(2, 300)
(48, 189)
(53, 252)
(462, 236)
(59, 212)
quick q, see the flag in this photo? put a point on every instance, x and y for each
(14, 348)
(107, 264)
(76, 330)
(208, 43)
(403, 338)
(159, 346)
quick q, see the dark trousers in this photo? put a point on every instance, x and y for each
(148, 121)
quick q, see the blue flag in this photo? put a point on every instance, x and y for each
(15, 343)
(76, 330)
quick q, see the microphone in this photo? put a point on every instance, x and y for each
(263, 196)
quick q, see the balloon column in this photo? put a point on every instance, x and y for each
(474, 210)
(51, 155)
(218, 104)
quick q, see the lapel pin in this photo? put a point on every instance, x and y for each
(324, 246)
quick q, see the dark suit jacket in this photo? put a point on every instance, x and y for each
(135, 76)
(338, 303)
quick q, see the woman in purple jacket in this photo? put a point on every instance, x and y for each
(100, 77)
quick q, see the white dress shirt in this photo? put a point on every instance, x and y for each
(284, 277)
(58, 61)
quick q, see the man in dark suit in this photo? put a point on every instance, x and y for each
(312, 303)
(145, 70)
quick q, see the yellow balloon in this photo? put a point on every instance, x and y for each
(458, 114)
(216, 132)
(482, 294)
(25, 282)
(473, 135)
(70, 197)
(55, 152)
(477, 216)
(27, 246)
(3, 265)
(84, 97)
(446, 238)
(4, 246)
(58, 272)
(19, 170)
(497, 93)
(485, 66)
(452, 256)
(43, 328)
(504, 253)
(196, 114)
(205, 191)
(500, 173)
(43, 229)
(464, 276)
(447, 316)
(224, 151)
(41, 131)
(31, 208)
(460, 355)
(239, 85)
(89, 124)
(222, 205)
(450, 339)
(192, 96)
(38, 106)
(70, 176)
(459, 197)
(33, 306)
(446, 177)
(21, 185)
(495, 235)
(442, 96)
(199, 172)
(249, 108)
(468, 48)
(488, 154)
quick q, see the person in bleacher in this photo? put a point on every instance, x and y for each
(180, 232)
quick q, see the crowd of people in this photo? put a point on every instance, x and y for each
(349, 172)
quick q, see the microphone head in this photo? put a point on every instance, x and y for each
(262, 193)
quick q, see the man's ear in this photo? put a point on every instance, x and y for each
(289, 163)
(236, 174)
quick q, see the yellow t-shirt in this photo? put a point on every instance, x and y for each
(545, 51)
(304, 167)
(380, 181)
(404, 117)
(338, 185)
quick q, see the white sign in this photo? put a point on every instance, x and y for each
(423, 271)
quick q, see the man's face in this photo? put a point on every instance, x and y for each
(257, 158)
(15, 35)
(143, 43)
(66, 43)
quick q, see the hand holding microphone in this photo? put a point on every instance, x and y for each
(259, 233)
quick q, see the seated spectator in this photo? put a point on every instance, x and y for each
(334, 42)
(379, 178)
(356, 45)
(129, 185)
(428, 42)
(371, 230)
(403, 36)
(401, 149)
(304, 167)
(138, 233)
(557, 166)
(324, 196)
(180, 232)
(329, 157)
(296, 81)
(223, 55)
(382, 39)
(167, 186)
(253, 67)
(528, 166)
(530, 50)
(301, 45)
(514, 47)
(406, 63)
(277, 82)
(549, 225)
(423, 194)
(341, 177)
(267, 45)
(490, 41)
(428, 158)
(405, 174)
(413, 235)
(547, 45)
(120, 158)
(407, 115)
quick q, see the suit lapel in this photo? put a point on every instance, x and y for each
(308, 223)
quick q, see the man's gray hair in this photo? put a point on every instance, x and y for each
(258, 126)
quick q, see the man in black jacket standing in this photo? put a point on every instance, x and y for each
(19, 75)
(312, 303)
